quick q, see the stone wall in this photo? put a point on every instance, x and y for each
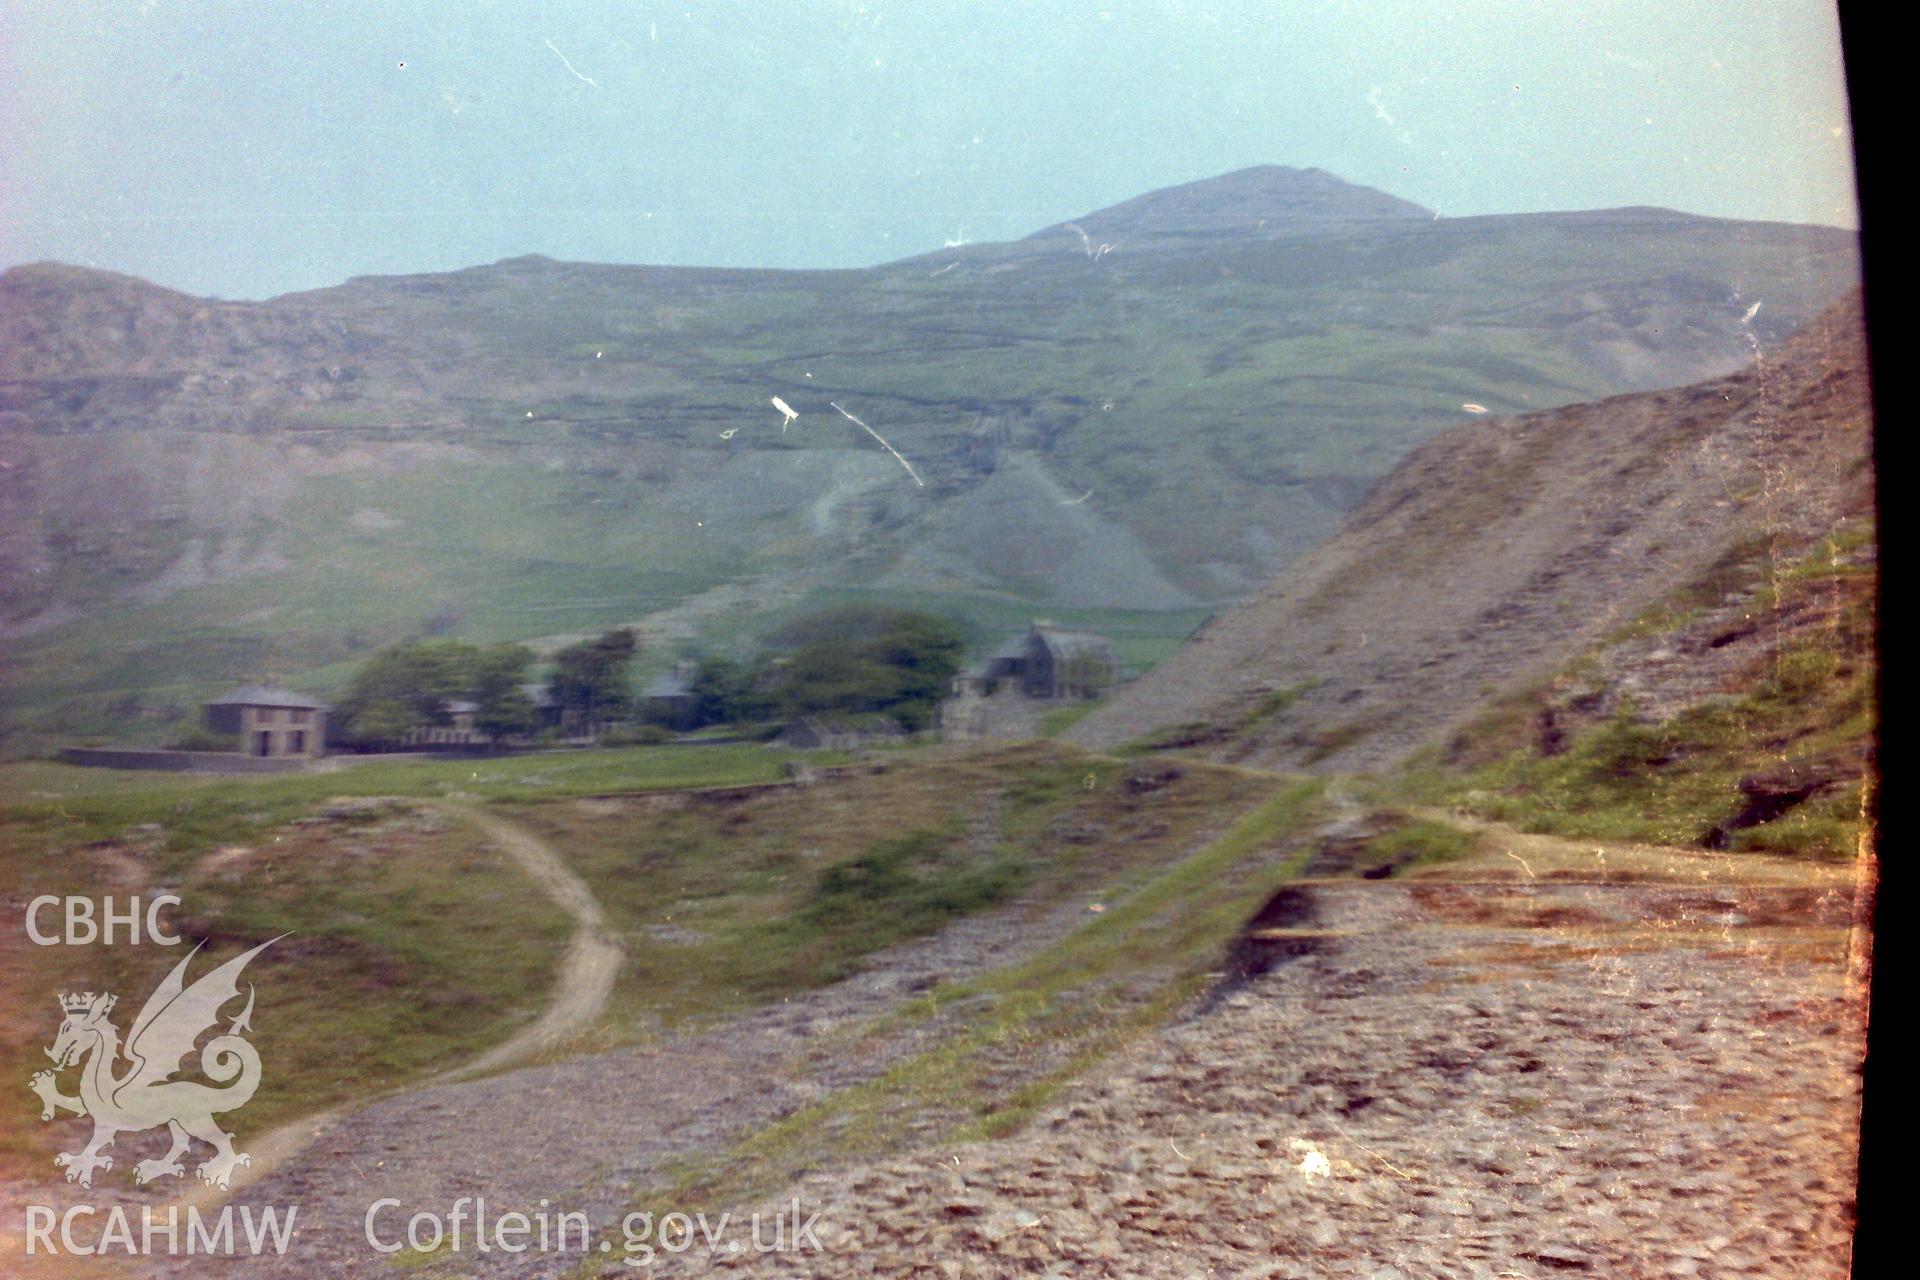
(181, 761)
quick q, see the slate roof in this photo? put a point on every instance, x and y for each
(668, 684)
(261, 695)
(1014, 646)
(1069, 644)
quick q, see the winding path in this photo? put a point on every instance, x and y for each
(579, 993)
(586, 973)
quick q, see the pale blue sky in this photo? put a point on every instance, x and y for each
(245, 149)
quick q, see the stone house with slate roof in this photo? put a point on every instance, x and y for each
(1045, 662)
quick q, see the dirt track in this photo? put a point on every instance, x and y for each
(586, 972)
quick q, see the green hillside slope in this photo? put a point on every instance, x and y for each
(1148, 411)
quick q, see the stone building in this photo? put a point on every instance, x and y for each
(458, 729)
(270, 722)
(669, 700)
(1009, 693)
(841, 733)
(1045, 662)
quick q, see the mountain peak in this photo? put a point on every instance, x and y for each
(1267, 198)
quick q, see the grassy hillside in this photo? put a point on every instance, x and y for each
(199, 490)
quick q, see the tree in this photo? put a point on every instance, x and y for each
(383, 721)
(729, 692)
(889, 662)
(410, 684)
(402, 686)
(495, 685)
(591, 677)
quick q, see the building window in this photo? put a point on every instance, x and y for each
(297, 742)
(297, 715)
(263, 715)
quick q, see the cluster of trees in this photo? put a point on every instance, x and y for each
(414, 683)
(851, 661)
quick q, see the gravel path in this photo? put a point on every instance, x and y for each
(586, 1132)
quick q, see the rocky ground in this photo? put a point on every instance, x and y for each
(1490, 1071)
(582, 1132)
(1612, 1080)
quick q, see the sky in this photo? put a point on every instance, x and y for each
(242, 150)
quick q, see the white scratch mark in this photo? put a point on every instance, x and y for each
(1377, 99)
(942, 271)
(1177, 1151)
(959, 239)
(788, 412)
(568, 63)
(1074, 502)
(1752, 311)
(1471, 407)
(1523, 863)
(883, 444)
(728, 433)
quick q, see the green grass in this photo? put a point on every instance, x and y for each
(42, 803)
(1422, 842)
(728, 903)
(409, 947)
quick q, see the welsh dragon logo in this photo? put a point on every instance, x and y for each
(144, 1095)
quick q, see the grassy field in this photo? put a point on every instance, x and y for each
(58, 805)
(395, 965)
(726, 903)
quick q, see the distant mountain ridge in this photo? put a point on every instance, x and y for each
(1148, 414)
(1248, 201)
